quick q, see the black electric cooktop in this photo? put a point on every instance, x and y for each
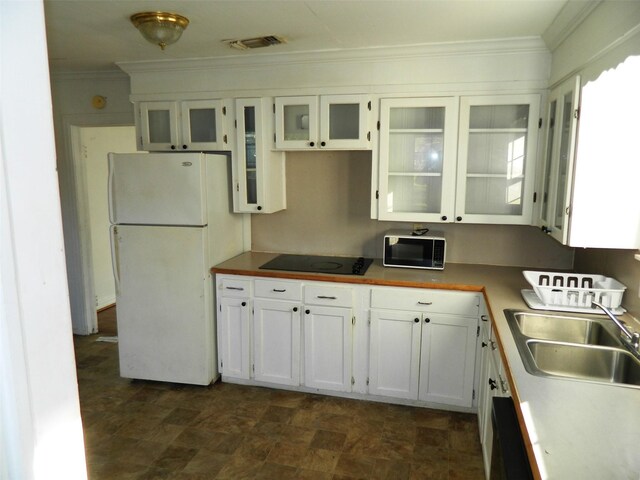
(320, 264)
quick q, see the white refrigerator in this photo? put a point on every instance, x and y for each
(172, 220)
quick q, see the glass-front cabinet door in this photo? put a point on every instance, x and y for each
(562, 145)
(182, 125)
(344, 122)
(417, 159)
(325, 122)
(545, 199)
(259, 172)
(297, 122)
(202, 125)
(496, 159)
(158, 126)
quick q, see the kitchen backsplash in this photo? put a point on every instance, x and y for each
(328, 212)
(619, 264)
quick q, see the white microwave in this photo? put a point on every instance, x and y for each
(412, 250)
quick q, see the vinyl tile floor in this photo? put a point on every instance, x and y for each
(150, 430)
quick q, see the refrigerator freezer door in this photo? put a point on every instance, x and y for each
(164, 304)
(157, 189)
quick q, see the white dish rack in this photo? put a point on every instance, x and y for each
(574, 292)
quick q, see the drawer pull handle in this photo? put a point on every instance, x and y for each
(484, 318)
(425, 303)
(235, 288)
(326, 297)
(280, 290)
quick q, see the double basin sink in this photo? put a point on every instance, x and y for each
(588, 349)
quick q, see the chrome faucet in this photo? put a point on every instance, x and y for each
(633, 337)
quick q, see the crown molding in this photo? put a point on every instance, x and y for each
(570, 17)
(89, 75)
(488, 47)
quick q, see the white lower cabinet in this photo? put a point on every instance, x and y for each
(447, 360)
(419, 345)
(493, 383)
(276, 342)
(394, 355)
(234, 315)
(418, 356)
(327, 347)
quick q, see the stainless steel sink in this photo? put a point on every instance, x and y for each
(580, 348)
(601, 364)
(565, 329)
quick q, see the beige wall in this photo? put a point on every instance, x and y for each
(328, 197)
(619, 264)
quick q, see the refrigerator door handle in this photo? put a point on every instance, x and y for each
(114, 257)
(111, 192)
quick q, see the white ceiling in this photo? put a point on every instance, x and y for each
(90, 35)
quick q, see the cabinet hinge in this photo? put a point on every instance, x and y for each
(576, 113)
(535, 197)
(367, 380)
(237, 187)
(540, 123)
(368, 136)
(274, 138)
(220, 308)
(235, 123)
(273, 107)
(353, 320)
(224, 138)
(369, 105)
(221, 364)
(377, 194)
(478, 331)
(353, 381)
(253, 367)
(473, 394)
(224, 110)
(378, 124)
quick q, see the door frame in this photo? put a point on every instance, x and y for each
(76, 231)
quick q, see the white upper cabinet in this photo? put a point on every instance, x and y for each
(185, 125)
(417, 159)
(330, 122)
(496, 159)
(592, 169)
(259, 172)
(559, 159)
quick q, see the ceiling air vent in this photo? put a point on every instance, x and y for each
(258, 42)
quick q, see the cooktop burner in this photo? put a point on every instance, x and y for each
(320, 264)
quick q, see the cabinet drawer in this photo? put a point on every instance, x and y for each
(328, 295)
(426, 300)
(235, 287)
(280, 289)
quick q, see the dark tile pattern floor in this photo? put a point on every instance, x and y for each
(148, 430)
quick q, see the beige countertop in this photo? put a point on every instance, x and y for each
(574, 430)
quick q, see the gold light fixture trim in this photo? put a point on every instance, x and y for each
(160, 28)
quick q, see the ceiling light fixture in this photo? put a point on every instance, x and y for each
(160, 28)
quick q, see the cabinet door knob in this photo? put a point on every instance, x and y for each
(244, 304)
(307, 311)
(259, 207)
(493, 384)
(312, 144)
(484, 344)
(295, 309)
(458, 219)
(323, 144)
(173, 147)
(416, 320)
(427, 320)
(443, 218)
(184, 147)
